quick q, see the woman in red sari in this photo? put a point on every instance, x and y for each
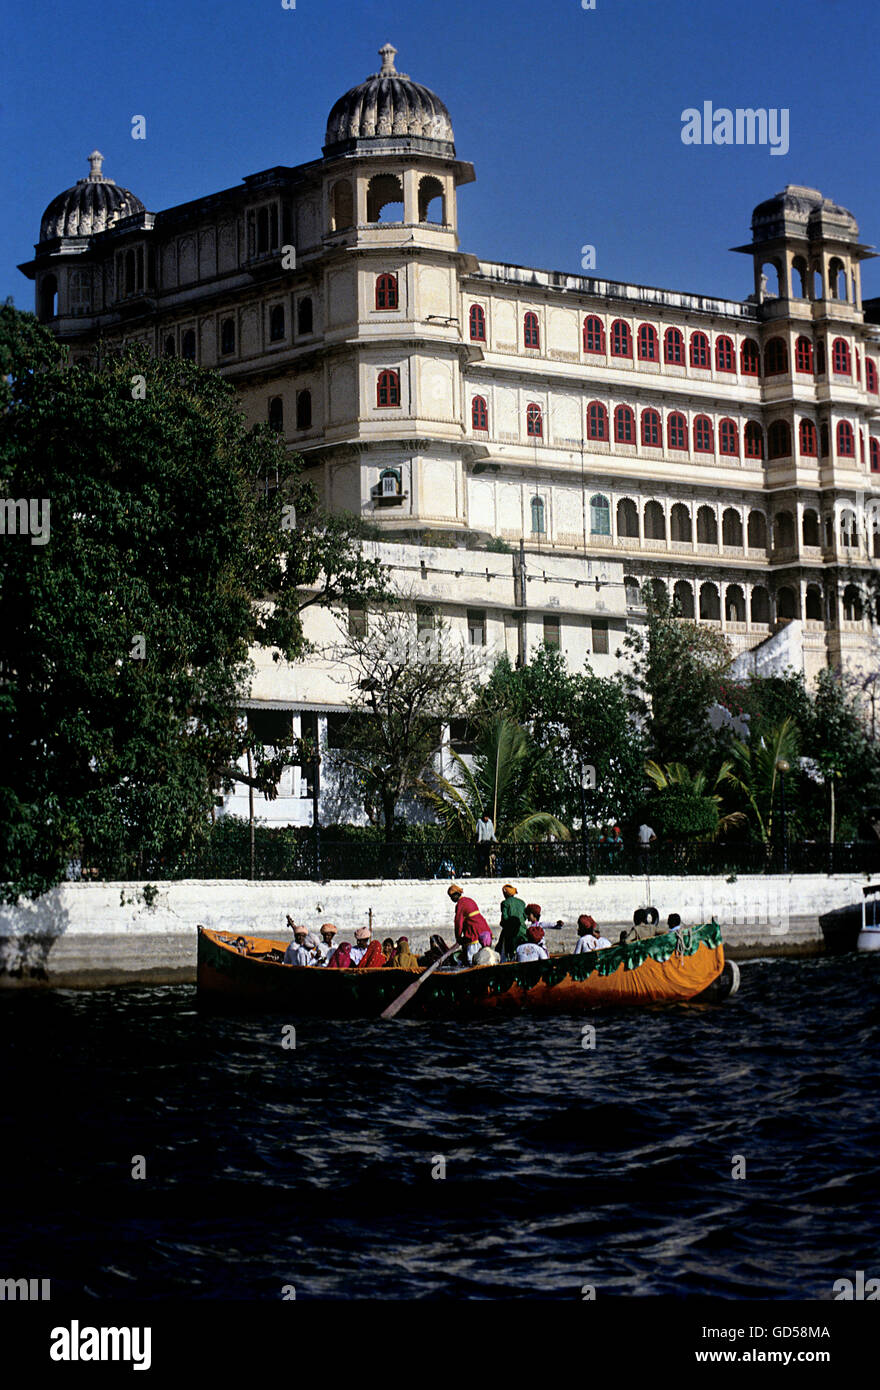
(341, 957)
(372, 957)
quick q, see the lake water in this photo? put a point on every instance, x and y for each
(320, 1166)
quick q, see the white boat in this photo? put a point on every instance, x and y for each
(869, 936)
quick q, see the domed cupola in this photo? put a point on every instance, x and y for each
(387, 108)
(92, 205)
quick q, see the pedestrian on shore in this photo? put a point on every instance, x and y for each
(485, 841)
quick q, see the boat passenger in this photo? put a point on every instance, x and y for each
(469, 920)
(302, 953)
(388, 950)
(486, 955)
(436, 949)
(586, 934)
(325, 945)
(534, 948)
(372, 957)
(362, 938)
(341, 957)
(513, 922)
(673, 922)
(403, 957)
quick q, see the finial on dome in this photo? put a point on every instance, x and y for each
(96, 161)
(388, 54)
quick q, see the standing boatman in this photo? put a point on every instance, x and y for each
(513, 922)
(469, 921)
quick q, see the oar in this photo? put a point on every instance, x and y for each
(397, 1004)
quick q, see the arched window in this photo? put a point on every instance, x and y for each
(304, 410)
(597, 421)
(538, 526)
(673, 347)
(651, 428)
(786, 604)
(632, 591)
(624, 425)
(840, 357)
(477, 319)
(627, 518)
(735, 604)
(848, 528)
(710, 603)
(760, 604)
(728, 437)
(649, 348)
(813, 605)
(846, 447)
(810, 528)
(227, 336)
(680, 526)
(731, 528)
(775, 357)
(534, 421)
(683, 598)
(479, 413)
(188, 345)
(594, 334)
(432, 200)
(699, 350)
(754, 440)
(304, 317)
(803, 355)
(600, 515)
(276, 413)
(531, 333)
(778, 440)
(807, 438)
(703, 435)
(875, 454)
(676, 430)
(168, 348)
(276, 323)
(48, 298)
(388, 388)
(707, 526)
(870, 375)
(725, 358)
(621, 339)
(654, 522)
(385, 199)
(386, 291)
(749, 358)
(342, 205)
(756, 533)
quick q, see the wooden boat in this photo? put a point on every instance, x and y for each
(668, 969)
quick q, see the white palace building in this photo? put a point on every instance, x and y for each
(608, 434)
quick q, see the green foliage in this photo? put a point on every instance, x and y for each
(676, 784)
(127, 636)
(756, 773)
(679, 813)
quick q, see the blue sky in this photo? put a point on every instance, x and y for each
(572, 117)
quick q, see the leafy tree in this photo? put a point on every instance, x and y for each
(683, 799)
(675, 673)
(404, 690)
(178, 539)
(503, 784)
(756, 773)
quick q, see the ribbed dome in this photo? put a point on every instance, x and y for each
(386, 106)
(91, 205)
(799, 209)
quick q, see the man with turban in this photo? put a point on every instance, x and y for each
(469, 921)
(513, 922)
(533, 948)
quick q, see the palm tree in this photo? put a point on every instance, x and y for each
(506, 766)
(696, 785)
(756, 770)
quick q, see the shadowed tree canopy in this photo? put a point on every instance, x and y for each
(178, 538)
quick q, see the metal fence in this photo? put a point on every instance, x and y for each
(308, 860)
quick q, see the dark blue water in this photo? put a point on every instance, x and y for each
(312, 1167)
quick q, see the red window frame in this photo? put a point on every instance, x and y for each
(807, 439)
(704, 435)
(874, 446)
(477, 318)
(676, 430)
(534, 421)
(775, 357)
(803, 356)
(753, 437)
(624, 434)
(652, 429)
(594, 334)
(531, 330)
(870, 376)
(479, 413)
(779, 440)
(621, 339)
(725, 356)
(673, 347)
(728, 438)
(846, 441)
(386, 291)
(700, 356)
(749, 358)
(648, 343)
(388, 389)
(597, 421)
(841, 363)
